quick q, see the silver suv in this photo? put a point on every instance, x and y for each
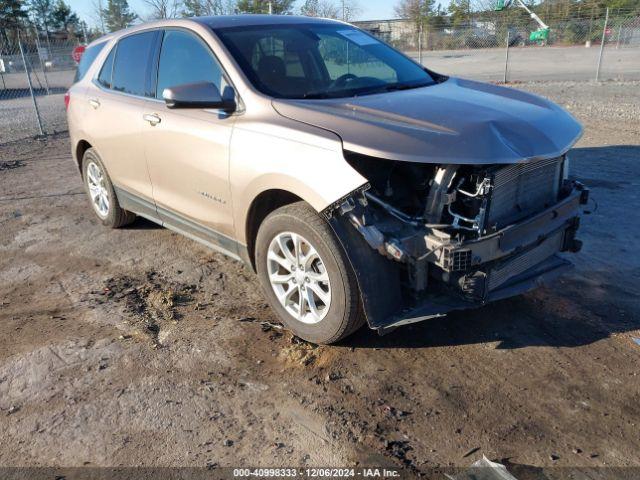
(359, 185)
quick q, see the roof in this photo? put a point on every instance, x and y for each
(222, 21)
(246, 20)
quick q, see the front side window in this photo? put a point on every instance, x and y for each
(319, 61)
(184, 59)
(131, 64)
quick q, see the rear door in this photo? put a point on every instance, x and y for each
(187, 150)
(114, 117)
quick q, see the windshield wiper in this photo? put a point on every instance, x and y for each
(406, 86)
(394, 87)
(391, 87)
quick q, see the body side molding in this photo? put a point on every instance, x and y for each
(180, 224)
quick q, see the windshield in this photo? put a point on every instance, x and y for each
(319, 61)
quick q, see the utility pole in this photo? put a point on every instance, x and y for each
(270, 8)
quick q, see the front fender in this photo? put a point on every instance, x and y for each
(305, 161)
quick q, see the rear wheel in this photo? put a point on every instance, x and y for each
(101, 193)
(306, 276)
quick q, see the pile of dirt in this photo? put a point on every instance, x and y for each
(151, 301)
(299, 352)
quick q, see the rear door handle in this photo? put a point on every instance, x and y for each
(152, 118)
(94, 102)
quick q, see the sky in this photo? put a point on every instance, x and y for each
(370, 9)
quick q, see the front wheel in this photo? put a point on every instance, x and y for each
(306, 276)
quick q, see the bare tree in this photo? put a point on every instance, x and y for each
(420, 12)
(198, 8)
(415, 10)
(163, 9)
(319, 8)
(349, 10)
(98, 15)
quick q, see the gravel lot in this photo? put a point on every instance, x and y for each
(537, 63)
(17, 115)
(18, 118)
(139, 347)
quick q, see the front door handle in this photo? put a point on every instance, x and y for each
(152, 118)
(94, 102)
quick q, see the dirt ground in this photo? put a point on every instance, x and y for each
(138, 347)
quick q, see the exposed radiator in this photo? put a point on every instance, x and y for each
(525, 261)
(522, 189)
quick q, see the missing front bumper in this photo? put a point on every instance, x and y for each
(434, 306)
(464, 274)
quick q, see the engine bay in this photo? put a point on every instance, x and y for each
(464, 230)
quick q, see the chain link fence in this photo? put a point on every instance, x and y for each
(36, 69)
(35, 72)
(589, 47)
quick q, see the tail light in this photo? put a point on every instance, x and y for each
(67, 99)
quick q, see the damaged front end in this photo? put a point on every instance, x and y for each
(450, 237)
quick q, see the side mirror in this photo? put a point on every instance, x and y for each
(199, 95)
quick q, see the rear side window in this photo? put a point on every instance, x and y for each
(184, 58)
(104, 78)
(131, 65)
(87, 60)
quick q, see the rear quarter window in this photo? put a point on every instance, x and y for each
(87, 59)
(104, 78)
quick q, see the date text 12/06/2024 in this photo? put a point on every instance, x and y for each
(316, 473)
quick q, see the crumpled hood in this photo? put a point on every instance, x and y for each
(454, 122)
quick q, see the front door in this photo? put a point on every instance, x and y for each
(187, 150)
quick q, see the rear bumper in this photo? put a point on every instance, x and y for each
(469, 274)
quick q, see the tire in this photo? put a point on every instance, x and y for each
(109, 212)
(344, 315)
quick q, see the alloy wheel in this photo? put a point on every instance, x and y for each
(299, 277)
(97, 189)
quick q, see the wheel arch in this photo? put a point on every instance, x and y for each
(81, 147)
(261, 206)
